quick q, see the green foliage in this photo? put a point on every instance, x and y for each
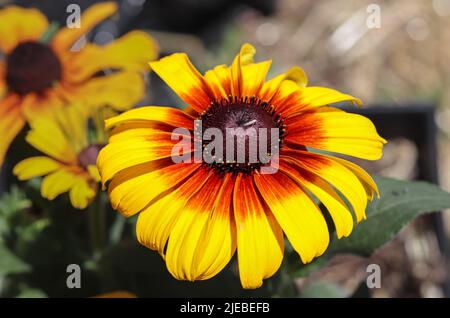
(323, 290)
(10, 204)
(13, 202)
(400, 202)
(11, 264)
(26, 291)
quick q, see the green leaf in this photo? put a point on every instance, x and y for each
(400, 202)
(307, 269)
(323, 290)
(4, 227)
(11, 264)
(49, 33)
(13, 202)
(29, 292)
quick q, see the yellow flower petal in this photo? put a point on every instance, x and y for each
(20, 25)
(298, 215)
(244, 57)
(260, 242)
(72, 121)
(35, 167)
(253, 76)
(120, 155)
(217, 244)
(338, 210)
(11, 123)
(61, 135)
(81, 193)
(120, 90)
(93, 172)
(131, 52)
(187, 231)
(155, 223)
(295, 75)
(41, 105)
(244, 78)
(179, 73)
(49, 137)
(92, 16)
(219, 80)
(334, 130)
(124, 133)
(343, 179)
(116, 157)
(322, 96)
(365, 179)
(3, 86)
(117, 294)
(291, 99)
(202, 240)
(168, 115)
(57, 183)
(134, 188)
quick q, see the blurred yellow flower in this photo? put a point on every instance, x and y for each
(37, 76)
(197, 214)
(116, 294)
(69, 164)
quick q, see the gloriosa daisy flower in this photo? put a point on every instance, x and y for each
(37, 76)
(69, 164)
(196, 214)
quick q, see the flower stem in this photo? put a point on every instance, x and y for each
(97, 225)
(49, 33)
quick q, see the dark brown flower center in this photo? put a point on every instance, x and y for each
(32, 67)
(252, 132)
(88, 156)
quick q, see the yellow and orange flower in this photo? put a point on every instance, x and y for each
(196, 215)
(37, 77)
(69, 164)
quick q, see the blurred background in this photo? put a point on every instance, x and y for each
(400, 69)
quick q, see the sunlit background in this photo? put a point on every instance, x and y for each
(400, 69)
